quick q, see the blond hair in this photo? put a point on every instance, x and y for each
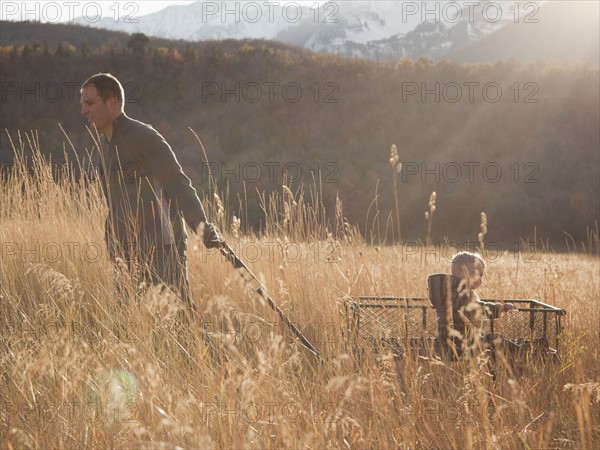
(466, 261)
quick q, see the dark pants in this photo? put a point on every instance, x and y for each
(166, 264)
(169, 266)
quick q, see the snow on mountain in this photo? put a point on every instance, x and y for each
(204, 20)
(376, 29)
(350, 27)
(434, 31)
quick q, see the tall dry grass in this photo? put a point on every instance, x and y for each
(244, 382)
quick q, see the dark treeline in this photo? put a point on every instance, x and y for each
(520, 142)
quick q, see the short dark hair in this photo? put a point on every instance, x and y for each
(107, 85)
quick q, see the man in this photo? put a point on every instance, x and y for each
(148, 194)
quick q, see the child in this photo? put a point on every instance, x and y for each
(458, 306)
(469, 268)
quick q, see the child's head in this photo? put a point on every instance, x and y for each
(468, 266)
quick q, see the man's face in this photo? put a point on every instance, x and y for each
(97, 111)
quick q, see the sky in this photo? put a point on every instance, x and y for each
(65, 11)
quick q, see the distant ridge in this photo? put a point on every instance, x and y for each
(21, 33)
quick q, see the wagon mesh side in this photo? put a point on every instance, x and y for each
(397, 320)
(533, 322)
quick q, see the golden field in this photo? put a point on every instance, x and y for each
(80, 372)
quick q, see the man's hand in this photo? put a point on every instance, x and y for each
(211, 236)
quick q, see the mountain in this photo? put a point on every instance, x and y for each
(201, 21)
(563, 31)
(377, 30)
(390, 30)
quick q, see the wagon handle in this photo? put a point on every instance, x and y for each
(237, 263)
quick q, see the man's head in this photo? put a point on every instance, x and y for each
(468, 266)
(102, 100)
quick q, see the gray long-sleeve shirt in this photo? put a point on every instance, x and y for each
(148, 194)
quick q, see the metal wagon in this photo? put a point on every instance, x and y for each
(409, 324)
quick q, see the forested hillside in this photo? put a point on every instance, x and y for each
(520, 142)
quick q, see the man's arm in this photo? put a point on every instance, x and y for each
(162, 163)
(181, 195)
